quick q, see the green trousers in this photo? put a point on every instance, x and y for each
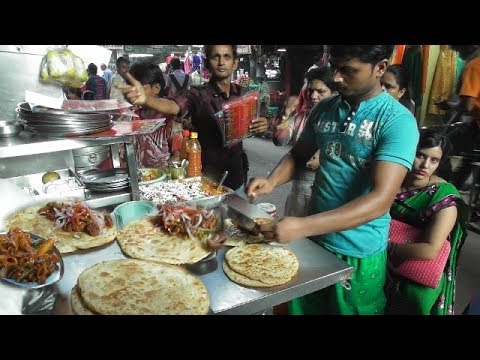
(365, 297)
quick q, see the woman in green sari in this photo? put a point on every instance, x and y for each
(427, 201)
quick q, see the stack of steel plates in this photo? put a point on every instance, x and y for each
(63, 122)
(107, 180)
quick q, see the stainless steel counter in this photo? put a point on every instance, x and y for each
(317, 269)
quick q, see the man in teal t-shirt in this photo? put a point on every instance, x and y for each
(367, 142)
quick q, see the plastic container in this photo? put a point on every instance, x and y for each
(183, 149)
(131, 211)
(194, 156)
(236, 117)
(269, 208)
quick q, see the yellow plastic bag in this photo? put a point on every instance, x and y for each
(63, 67)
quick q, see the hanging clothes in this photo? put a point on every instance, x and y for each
(325, 56)
(425, 54)
(412, 61)
(460, 65)
(443, 84)
(196, 61)
(398, 54)
(187, 65)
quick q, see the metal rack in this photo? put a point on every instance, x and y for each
(30, 153)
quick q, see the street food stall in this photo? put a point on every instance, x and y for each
(68, 246)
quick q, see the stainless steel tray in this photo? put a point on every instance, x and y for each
(50, 131)
(211, 201)
(68, 126)
(40, 111)
(59, 120)
(105, 177)
(208, 202)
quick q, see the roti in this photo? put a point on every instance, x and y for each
(78, 306)
(31, 221)
(270, 264)
(237, 237)
(142, 240)
(137, 287)
(241, 279)
(235, 241)
(262, 221)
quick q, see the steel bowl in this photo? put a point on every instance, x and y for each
(10, 130)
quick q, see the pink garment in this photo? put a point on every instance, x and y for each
(423, 272)
(303, 109)
(187, 66)
(154, 149)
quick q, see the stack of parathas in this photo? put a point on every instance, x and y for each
(136, 287)
(31, 221)
(141, 239)
(260, 265)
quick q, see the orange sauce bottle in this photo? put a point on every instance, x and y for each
(183, 149)
(194, 156)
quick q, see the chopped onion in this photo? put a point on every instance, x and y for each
(188, 232)
(207, 214)
(200, 218)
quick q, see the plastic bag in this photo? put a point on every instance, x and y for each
(96, 105)
(236, 116)
(62, 66)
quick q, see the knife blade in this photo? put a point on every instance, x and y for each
(244, 222)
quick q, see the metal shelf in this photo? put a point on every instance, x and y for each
(28, 143)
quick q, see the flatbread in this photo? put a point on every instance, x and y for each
(78, 306)
(235, 241)
(237, 237)
(137, 287)
(270, 264)
(262, 221)
(31, 221)
(240, 279)
(142, 240)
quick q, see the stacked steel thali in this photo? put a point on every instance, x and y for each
(60, 123)
(106, 180)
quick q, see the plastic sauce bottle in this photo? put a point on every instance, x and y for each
(194, 156)
(183, 149)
